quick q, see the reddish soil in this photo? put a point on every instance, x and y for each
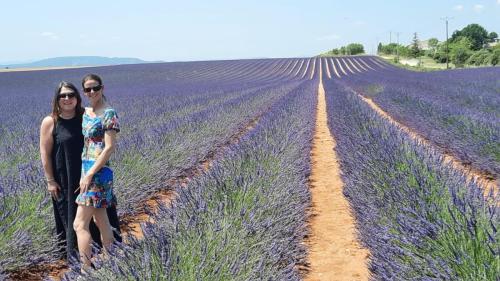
(34, 273)
(334, 250)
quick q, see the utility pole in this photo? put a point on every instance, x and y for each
(397, 47)
(447, 51)
(390, 37)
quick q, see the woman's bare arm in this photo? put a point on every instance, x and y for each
(46, 146)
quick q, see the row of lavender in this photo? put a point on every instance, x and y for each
(458, 110)
(170, 121)
(244, 219)
(419, 218)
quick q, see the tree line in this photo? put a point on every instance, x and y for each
(350, 49)
(472, 45)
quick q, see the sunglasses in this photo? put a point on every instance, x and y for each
(95, 88)
(66, 95)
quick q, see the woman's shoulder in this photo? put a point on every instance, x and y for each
(109, 109)
(47, 124)
(110, 112)
(47, 121)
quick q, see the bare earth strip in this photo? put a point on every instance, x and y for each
(325, 60)
(340, 66)
(334, 251)
(334, 68)
(486, 181)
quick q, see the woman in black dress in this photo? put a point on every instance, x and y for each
(61, 145)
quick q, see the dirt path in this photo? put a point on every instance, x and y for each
(334, 68)
(340, 66)
(484, 180)
(334, 252)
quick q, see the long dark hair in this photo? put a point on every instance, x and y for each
(55, 101)
(94, 77)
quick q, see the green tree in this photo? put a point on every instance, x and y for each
(404, 51)
(475, 33)
(441, 53)
(459, 56)
(440, 56)
(481, 57)
(415, 51)
(389, 49)
(355, 49)
(492, 37)
(433, 45)
(462, 41)
(460, 51)
(495, 57)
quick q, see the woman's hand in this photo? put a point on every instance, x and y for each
(54, 189)
(85, 183)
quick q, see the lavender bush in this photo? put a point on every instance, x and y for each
(419, 218)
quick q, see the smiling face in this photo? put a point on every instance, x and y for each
(93, 91)
(67, 99)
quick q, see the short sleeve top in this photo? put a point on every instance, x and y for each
(93, 129)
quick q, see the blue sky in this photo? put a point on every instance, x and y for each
(223, 29)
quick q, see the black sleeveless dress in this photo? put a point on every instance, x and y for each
(67, 164)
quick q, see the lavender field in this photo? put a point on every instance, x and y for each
(245, 218)
(419, 218)
(173, 115)
(457, 110)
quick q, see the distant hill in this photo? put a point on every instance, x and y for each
(77, 61)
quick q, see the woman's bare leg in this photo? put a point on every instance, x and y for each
(81, 227)
(102, 222)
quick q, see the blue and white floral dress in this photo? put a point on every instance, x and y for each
(100, 192)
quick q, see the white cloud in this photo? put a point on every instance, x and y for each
(478, 8)
(330, 37)
(359, 22)
(498, 2)
(50, 35)
(460, 7)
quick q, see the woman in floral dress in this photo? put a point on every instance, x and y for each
(100, 126)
